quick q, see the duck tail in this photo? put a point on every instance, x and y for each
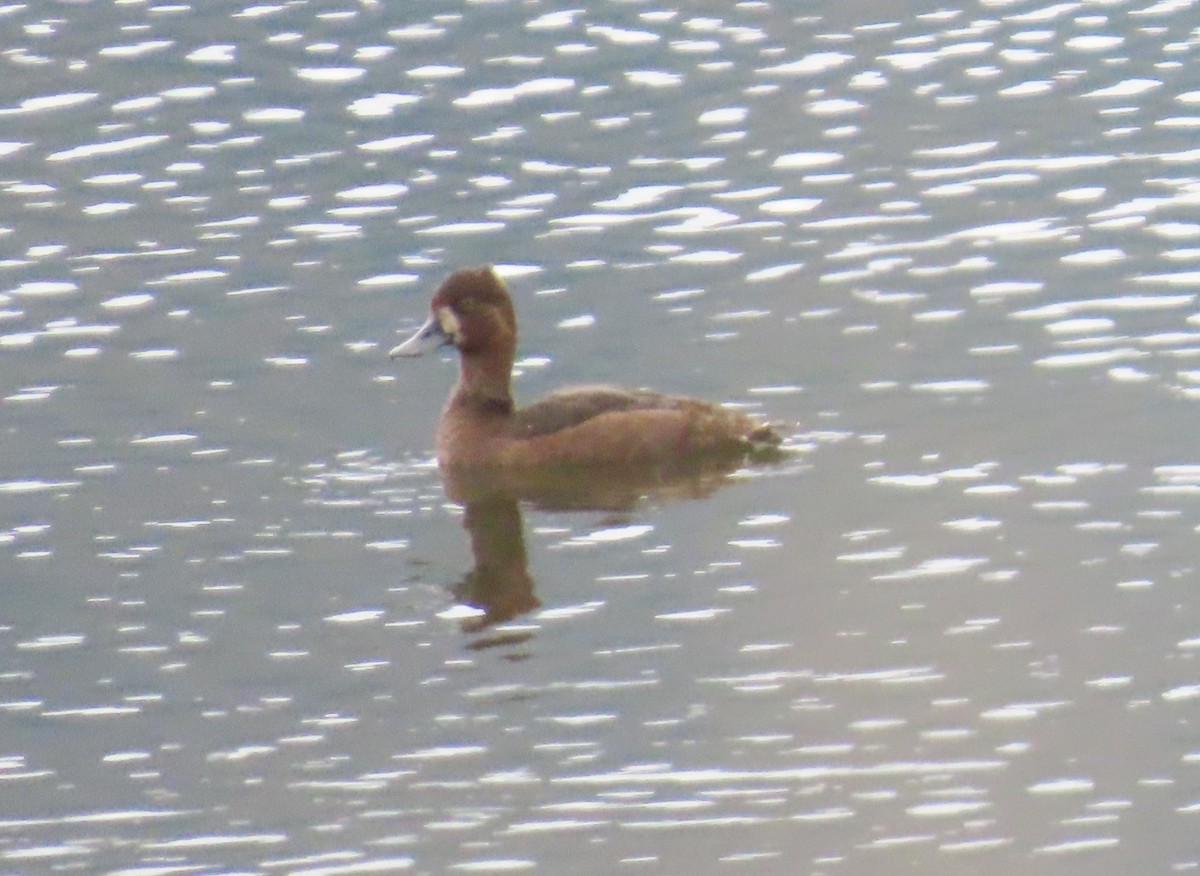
(764, 436)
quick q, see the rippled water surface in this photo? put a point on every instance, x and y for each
(953, 249)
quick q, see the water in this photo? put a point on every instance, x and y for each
(952, 249)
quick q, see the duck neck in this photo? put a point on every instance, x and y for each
(485, 383)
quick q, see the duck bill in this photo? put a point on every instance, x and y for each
(428, 337)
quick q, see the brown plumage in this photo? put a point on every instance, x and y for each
(587, 425)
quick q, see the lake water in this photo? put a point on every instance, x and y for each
(952, 249)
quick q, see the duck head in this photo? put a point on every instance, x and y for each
(472, 311)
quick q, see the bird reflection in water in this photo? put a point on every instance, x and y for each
(499, 586)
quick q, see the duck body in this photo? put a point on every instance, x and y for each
(481, 427)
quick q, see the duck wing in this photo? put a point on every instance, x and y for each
(573, 406)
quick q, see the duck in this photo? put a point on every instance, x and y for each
(482, 428)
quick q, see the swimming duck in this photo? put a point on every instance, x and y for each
(587, 425)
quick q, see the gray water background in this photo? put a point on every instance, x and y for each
(952, 249)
